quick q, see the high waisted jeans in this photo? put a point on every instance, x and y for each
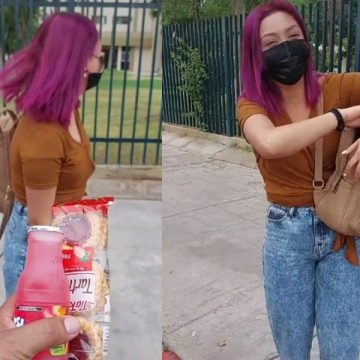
(15, 247)
(308, 284)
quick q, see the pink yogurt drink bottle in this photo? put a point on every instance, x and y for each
(43, 289)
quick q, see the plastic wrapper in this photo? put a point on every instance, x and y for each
(85, 258)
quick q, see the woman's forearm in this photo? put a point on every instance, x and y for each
(289, 139)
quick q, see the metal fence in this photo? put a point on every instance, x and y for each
(122, 115)
(333, 32)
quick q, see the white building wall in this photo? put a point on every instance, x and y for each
(135, 34)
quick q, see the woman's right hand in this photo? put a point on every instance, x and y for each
(351, 116)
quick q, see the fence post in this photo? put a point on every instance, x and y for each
(357, 43)
(71, 5)
(227, 86)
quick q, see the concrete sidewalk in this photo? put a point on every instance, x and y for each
(213, 221)
(135, 261)
(135, 265)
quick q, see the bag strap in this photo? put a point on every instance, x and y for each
(7, 141)
(7, 133)
(318, 182)
(9, 203)
(9, 196)
(346, 139)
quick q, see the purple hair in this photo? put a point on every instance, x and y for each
(256, 86)
(46, 77)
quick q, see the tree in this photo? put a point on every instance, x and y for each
(214, 8)
(18, 31)
(237, 7)
(178, 11)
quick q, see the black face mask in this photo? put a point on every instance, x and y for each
(287, 62)
(93, 79)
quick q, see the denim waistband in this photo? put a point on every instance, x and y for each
(20, 208)
(291, 210)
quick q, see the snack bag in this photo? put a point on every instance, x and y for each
(85, 258)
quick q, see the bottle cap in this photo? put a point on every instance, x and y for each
(44, 228)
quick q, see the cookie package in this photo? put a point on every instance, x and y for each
(85, 258)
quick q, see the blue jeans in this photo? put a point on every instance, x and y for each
(15, 247)
(307, 284)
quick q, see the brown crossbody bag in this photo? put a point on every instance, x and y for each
(337, 203)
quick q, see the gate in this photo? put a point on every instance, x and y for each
(122, 115)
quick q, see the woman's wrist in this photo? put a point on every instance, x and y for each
(340, 118)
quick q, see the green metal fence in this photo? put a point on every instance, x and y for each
(217, 40)
(333, 32)
(122, 115)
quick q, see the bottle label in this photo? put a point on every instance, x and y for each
(27, 314)
(78, 266)
(82, 290)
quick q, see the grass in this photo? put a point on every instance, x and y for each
(134, 124)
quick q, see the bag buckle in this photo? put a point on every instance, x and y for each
(318, 184)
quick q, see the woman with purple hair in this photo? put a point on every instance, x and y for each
(50, 152)
(309, 278)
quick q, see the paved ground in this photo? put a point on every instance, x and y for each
(213, 219)
(135, 259)
(135, 262)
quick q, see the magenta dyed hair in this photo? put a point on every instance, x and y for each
(45, 78)
(256, 87)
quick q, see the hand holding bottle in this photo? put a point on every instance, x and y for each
(23, 343)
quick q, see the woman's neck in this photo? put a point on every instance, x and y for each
(294, 94)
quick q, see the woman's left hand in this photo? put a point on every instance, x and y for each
(352, 169)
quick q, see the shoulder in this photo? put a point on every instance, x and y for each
(247, 108)
(38, 128)
(39, 137)
(340, 80)
(343, 88)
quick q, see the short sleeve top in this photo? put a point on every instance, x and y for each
(288, 181)
(45, 155)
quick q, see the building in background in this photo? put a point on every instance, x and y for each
(117, 54)
(128, 57)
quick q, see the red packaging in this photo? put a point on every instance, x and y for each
(85, 260)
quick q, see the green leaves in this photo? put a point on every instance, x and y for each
(180, 11)
(193, 74)
(24, 22)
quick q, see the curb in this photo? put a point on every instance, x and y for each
(126, 182)
(216, 147)
(185, 131)
(128, 172)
